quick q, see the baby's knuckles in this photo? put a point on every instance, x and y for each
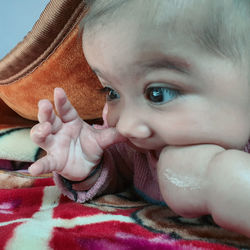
(228, 189)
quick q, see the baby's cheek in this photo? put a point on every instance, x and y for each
(111, 117)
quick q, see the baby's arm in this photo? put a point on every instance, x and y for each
(207, 179)
(73, 147)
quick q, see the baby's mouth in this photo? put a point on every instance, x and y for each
(155, 153)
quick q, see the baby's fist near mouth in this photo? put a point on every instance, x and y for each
(183, 177)
(205, 179)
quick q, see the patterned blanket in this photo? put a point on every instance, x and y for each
(34, 215)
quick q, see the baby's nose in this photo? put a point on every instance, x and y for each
(133, 127)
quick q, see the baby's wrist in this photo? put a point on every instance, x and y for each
(94, 172)
(83, 185)
(88, 181)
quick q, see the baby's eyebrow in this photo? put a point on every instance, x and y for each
(169, 62)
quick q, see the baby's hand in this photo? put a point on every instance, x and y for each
(73, 147)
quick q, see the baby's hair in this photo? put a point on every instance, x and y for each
(222, 26)
(99, 8)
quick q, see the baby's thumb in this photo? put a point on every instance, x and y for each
(109, 136)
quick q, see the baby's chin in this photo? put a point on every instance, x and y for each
(139, 149)
(155, 152)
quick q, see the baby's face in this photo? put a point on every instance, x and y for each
(163, 89)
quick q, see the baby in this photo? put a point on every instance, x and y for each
(177, 116)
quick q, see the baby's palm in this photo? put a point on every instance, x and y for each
(73, 147)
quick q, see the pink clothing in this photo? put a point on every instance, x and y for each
(122, 166)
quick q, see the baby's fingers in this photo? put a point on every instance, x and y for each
(46, 114)
(40, 132)
(63, 106)
(109, 136)
(43, 166)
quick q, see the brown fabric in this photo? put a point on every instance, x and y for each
(65, 68)
(50, 56)
(9, 119)
(54, 24)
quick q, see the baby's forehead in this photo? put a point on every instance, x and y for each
(188, 18)
(220, 27)
(156, 11)
(169, 16)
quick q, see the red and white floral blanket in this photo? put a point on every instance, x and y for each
(39, 217)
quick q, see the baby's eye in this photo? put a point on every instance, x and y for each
(111, 94)
(161, 95)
